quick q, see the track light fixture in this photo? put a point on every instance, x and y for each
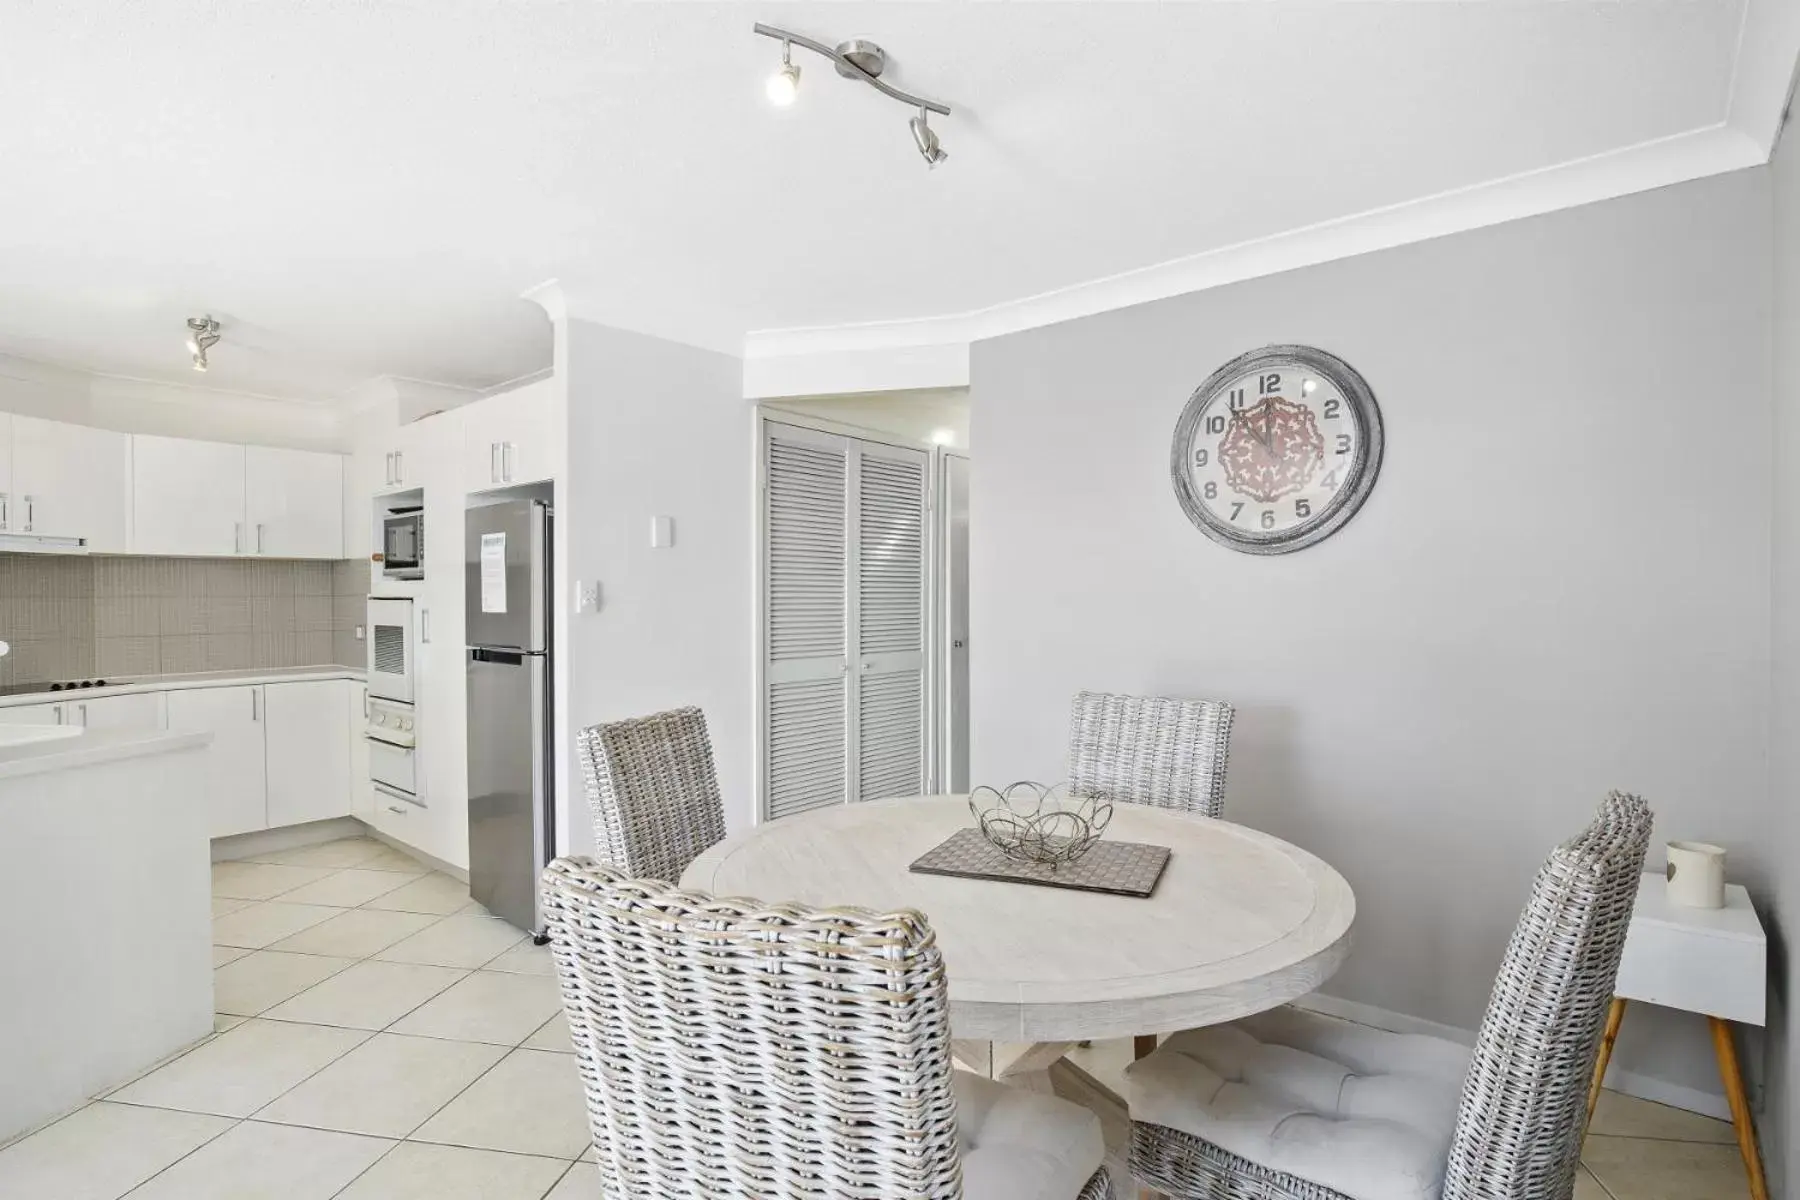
(854, 59)
(203, 333)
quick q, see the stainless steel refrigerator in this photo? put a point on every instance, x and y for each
(512, 810)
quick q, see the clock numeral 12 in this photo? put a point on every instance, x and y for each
(1268, 383)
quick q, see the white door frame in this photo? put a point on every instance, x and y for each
(767, 415)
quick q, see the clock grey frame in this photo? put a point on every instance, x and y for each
(1359, 478)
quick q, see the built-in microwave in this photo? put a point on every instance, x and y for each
(403, 544)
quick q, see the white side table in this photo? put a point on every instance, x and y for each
(1699, 960)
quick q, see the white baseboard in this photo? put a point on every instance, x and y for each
(1632, 1083)
(430, 860)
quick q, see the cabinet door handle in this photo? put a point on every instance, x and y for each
(237, 537)
(253, 713)
(493, 462)
(259, 537)
(399, 467)
(390, 468)
(506, 453)
(425, 625)
(83, 707)
(4, 515)
(30, 513)
(395, 809)
(58, 710)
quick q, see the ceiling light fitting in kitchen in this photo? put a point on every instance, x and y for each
(203, 334)
(861, 59)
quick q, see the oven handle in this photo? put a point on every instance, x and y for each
(395, 793)
(371, 735)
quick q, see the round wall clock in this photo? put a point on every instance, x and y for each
(1277, 449)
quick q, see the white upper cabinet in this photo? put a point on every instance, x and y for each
(216, 498)
(187, 497)
(508, 438)
(69, 481)
(293, 502)
(401, 453)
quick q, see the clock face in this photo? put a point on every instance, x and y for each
(1277, 449)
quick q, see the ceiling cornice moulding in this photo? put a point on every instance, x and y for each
(826, 359)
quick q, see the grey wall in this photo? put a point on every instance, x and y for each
(1781, 1124)
(658, 429)
(74, 617)
(1560, 585)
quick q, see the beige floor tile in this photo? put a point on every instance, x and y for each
(487, 1006)
(1587, 1187)
(435, 893)
(531, 1103)
(346, 852)
(225, 954)
(260, 881)
(356, 933)
(225, 904)
(348, 888)
(524, 959)
(583, 1183)
(388, 1086)
(552, 1035)
(1651, 1169)
(474, 908)
(369, 995)
(264, 978)
(455, 941)
(224, 1021)
(102, 1152)
(1619, 1115)
(242, 1069)
(416, 1171)
(267, 1162)
(262, 924)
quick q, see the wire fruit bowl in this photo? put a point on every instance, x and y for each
(1035, 823)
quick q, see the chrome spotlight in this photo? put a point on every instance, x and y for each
(203, 334)
(926, 139)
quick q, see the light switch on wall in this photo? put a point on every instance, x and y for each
(587, 596)
(662, 532)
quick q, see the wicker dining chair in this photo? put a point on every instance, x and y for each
(1151, 750)
(734, 1049)
(1291, 1105)
(653, 791)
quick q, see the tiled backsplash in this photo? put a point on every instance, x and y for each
(70, 617)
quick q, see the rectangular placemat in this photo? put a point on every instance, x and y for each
(1116, 868)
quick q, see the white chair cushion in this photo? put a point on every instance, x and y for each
(1357, 1110)
(1019, 1145)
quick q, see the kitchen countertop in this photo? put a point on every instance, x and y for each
(133, 684)
(92, 747)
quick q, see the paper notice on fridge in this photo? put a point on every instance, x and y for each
(493, 572)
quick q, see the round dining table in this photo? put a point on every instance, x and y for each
(1239, 922)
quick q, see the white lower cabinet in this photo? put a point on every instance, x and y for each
(362, 793)
(234, 777)
(306, 737)
(145, 710)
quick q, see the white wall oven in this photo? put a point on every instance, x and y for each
(393, 654)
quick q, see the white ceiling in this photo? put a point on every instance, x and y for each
(360, 188)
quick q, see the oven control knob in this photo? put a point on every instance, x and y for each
(406, 722)
(381, 718)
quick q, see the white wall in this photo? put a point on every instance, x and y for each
(1781, 1125)
(657, 429)
(1560, 584)
(138, 406)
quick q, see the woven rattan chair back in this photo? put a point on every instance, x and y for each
(1518, 1131)
(1151, 750)
(653, 791)
(732, 1049)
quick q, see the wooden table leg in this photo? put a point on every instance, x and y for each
(1615, 1017)
(1725, 1049)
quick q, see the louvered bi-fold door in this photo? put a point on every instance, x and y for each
(844, 607)
(887, 622)
(806, 638)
